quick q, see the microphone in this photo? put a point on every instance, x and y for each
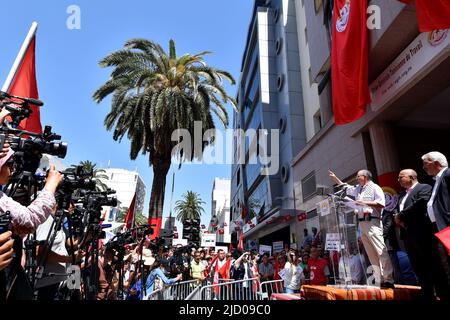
(36, 102)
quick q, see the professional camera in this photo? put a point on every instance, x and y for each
(5, 221)
(120, 241)
(77, 178)
(28, 151)
(41, 144)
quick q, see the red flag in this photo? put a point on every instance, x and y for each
(444, 237)
(241, 242)
(350, 54)
(130, 213)
(231, 247)
(25, 85)
(244, 211)
(432, 15)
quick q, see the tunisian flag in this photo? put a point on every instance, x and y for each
(24, 85)
(349, 59)
(432, 14)
(129, 219)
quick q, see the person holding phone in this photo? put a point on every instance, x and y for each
(293, 274)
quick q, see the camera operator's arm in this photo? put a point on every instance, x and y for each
(5, 150)
(6, 249)
(166, 280)
(25, 220)
(3, 114)
(53, 257)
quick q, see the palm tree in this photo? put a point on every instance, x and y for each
(97, 174)
(155, 93)
(190, 207)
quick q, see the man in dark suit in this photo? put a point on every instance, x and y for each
(438, 207)
(436, 165)
(420, 243)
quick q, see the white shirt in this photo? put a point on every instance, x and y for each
(59, 247)
(369, 192)
(433, 195)
(293, 276)
(402, 204)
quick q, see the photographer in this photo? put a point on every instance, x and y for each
(56, 260)
(25, 220)
(157, 271)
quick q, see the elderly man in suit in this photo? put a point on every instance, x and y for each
(436, 165)
(420, 243)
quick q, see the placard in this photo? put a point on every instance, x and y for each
(278, 246)
(332, 242)
(263, 249)
(324, 207)
(208, 240)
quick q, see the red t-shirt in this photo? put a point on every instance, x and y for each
(318, 271)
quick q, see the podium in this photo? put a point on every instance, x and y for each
(338, 222)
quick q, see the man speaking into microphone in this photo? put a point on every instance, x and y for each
(371, 201)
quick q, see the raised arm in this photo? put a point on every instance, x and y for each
(335, 179)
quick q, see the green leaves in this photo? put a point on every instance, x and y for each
(154, 94)
(190, 207)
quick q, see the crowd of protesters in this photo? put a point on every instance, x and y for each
(146, 267)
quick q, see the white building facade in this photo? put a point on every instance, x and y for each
(220, 207)
(126, 184)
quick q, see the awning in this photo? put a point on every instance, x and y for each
(279, 214)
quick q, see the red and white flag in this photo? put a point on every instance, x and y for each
(22, 80)
(350, 54)
(432, 14)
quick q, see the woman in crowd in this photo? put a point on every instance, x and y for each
(293, 274)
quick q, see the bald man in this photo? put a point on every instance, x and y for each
(420, 242)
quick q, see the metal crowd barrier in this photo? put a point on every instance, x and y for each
(228, 290)
(266, 288)
(176, 291)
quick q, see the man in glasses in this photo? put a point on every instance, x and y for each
(371, 201)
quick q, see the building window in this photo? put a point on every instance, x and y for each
(238, 177)
(311, 214)
(309, 186)
(317, 122)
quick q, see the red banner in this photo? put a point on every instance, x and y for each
(432, 14)
(155, 223)
(350, 54)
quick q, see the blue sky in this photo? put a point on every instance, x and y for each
(68, 72)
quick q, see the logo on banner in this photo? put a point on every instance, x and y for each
(391, 198)
(344, 17)
(437, 37)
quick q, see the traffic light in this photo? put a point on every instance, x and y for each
(191, 230)
(187, 229)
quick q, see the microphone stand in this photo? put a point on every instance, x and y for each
(141, 266)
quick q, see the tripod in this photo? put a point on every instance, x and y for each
(23, 188)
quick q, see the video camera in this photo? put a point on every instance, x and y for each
(77, 178)
(119, 242)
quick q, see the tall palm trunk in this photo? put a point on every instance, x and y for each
(160, 169)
